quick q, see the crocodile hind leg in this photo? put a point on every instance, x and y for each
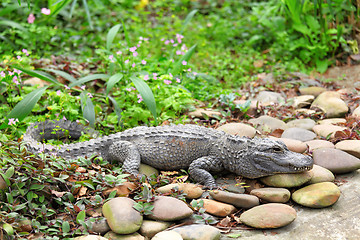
(126, 153)
(200, 170)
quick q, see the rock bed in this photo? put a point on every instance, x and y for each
(267, 203)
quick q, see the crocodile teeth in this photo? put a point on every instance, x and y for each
(301, 168)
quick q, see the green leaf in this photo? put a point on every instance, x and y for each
(112, 194)
(37, 187)
(65, 227)
(88, 78)
(62, 74)
(8, 229)
(10, 172)
(39, 74)
(111, 35)
(24, 107)
(178, 65)
(89, 185)
(146, 94)
(87, 108)
(125, 33)
(112, 81)
(13, 24)
(117, 108)
(88, 16)
(80, 216)
(187, 20)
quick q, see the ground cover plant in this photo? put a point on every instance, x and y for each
(118, 64)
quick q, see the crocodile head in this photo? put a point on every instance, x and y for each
(264, 157)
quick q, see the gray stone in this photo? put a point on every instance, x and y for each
(350, 146)
(317, 143)
(293, 144)
(198, 232)
(236, 199)
(332, 121)
(267, 98)
(167, 235)
(90, 237)
(356, 112)
(287, 179)
(321, 174)
(200, 113)
(272, 195)
(315, 91)
(169, 209)
(327, 130)
(302, 101)
(298, 134)
(331, 104)
(147, 170)
(239, 129)
(305, 123)
(191, 190)
(335, 160)
(114, 236)
(304, 111)
(270, 215)
(100, 226)
(121, 216)
(268, 124)
(149, 228)
(318, 195)
(230, 184)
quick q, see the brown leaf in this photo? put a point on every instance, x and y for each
(58, 194)
(225, 222)
(82, 191)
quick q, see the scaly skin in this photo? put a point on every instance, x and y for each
(200, 150)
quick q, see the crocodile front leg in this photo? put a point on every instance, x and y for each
(126, 153)
(200, 170)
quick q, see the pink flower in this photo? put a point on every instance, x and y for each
(178, 80)
(66, 87)
(128, 89)
(127, 61)
(15, 80)
(25, 51)
(64, 118)
(141, 38)
(17, 71)
(140, 99)
(13, 121)
(184, 63)
(135, 54)
(18, 57)
(167, 82)
(178, 52)
(119, 52)
(11, 73)
(143, 62)
(162, 39)
(132, 49)
(138, 45)
(58, 92)
(195, 73)
(172, 40)
(133, 65)
(83, 87)
(111, 57)
(45, 11)
(89, 95)
(146, 77)
(31, 18)
(170, 75)
(155, 76)
(167, 42)
(189, 70)
(2, 74)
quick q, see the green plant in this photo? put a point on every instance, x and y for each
(200, 217)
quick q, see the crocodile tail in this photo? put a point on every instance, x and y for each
(37, 132)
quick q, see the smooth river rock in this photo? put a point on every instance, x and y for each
(236, 199)
(327, 130)
(238, 129)
(167, 235)
(350, 146)
(318, 195)
(198, 232)
(216, 208)
(113, 236)
(298, 134)
(149, 227)
(121, 216)
(267, 123)
(267, 98)
(314, 91)
(318, 143)
(169, 209)
(292, 144)
(331, 104)
(287, 180)
(321, 174)
(335, 160)
(270, 215)
(191, 190)
(303, 101)
(272, 195)
(306, 123)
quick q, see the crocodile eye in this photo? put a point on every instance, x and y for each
(277, 150)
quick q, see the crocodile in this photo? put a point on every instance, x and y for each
(199, 149)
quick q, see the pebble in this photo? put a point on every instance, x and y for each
(331, 104)
(148, 170)
(317, 143)
(100, 226)
(216, 208)
(335, 160)
(326, 130)
(268, 98)
(192, 190)
(230, 184)
(169, 209)
(167, 235)
(298, 134)
(305, 123)
(273, 195)
(236, 199)
(253, 106)
(270, 215)
(292, 144)
(198, 232)
(356, 112)
(302, 101)
(350, 146)
(90, 237)
(124, 219)
(315, 91)
(332, 121)
(267, 123)
(199, 113)
(304, 111)
(287, 180)
(239, 129)
(321, 174)
(113, 236)
(149, 227)
(318, 195)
